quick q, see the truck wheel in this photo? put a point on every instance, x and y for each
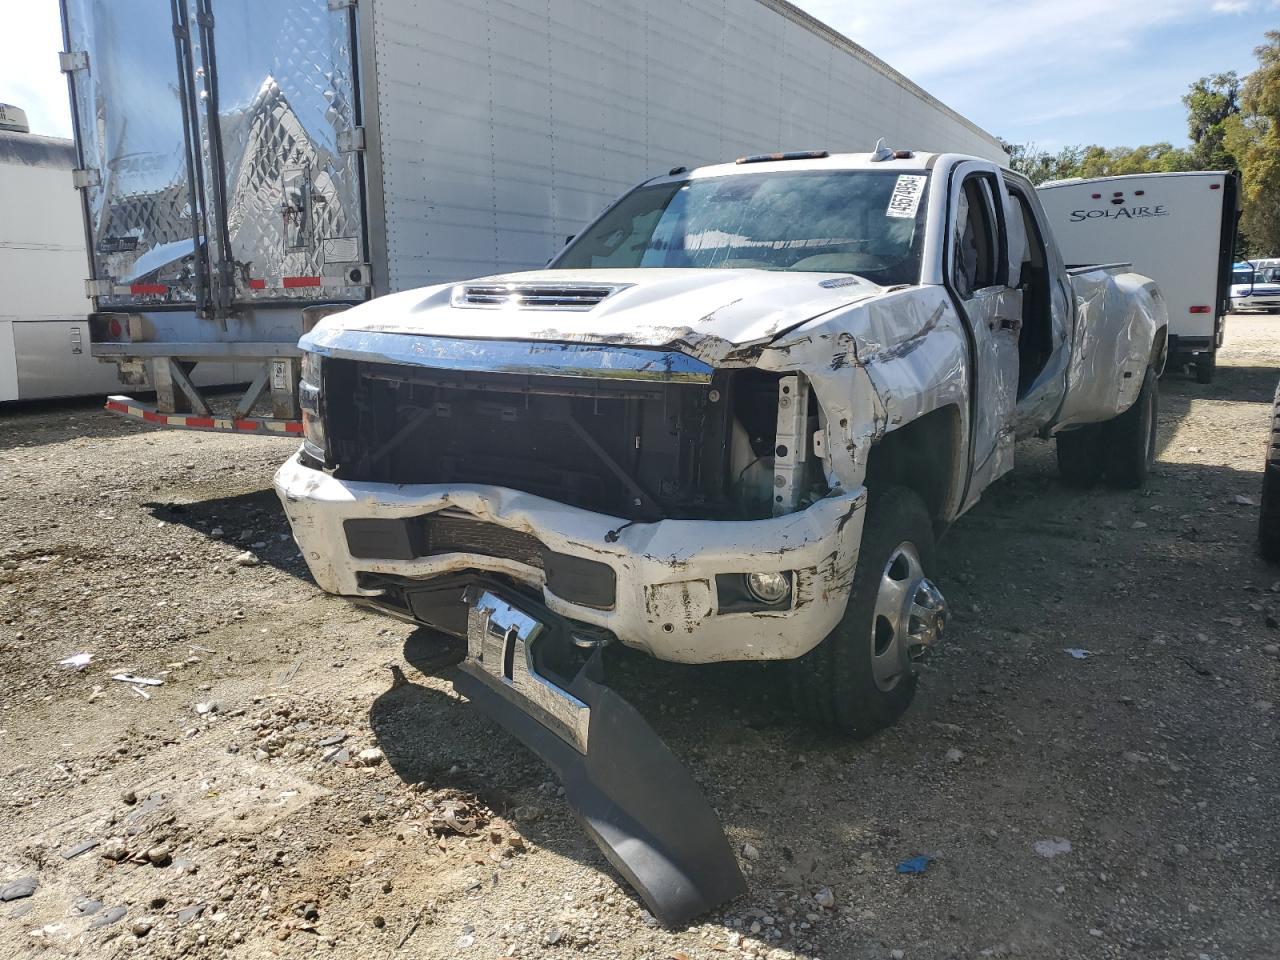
(1269, 514)
(861, 678)
(1131, 437)
(1206, 366)
(1080, 455)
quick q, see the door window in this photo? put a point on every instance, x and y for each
(973, 262)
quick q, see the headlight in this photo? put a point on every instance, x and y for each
(769, 587)
(309, 397)
(311, 363)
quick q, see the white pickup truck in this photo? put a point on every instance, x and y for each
(727, 422)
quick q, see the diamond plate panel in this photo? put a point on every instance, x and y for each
(130, 121)
(285, 95)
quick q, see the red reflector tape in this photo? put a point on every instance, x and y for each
(117, 407)
(257, 284)
(153, 417)
(141, 289)
(1199, 309)
(199, 421)
(292, 427)
(246, 424)
(292, 282)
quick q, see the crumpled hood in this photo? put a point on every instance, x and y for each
(709, 314)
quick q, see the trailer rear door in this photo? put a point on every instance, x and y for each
(220, 151)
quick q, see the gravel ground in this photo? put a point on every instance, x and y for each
(292, 788)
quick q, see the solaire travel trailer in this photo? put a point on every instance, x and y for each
(1177, 228)
(247, 169)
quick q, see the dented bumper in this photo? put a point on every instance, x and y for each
(666, 599)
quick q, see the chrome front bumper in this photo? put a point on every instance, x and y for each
(666, 600)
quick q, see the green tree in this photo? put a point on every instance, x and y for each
(1209, 102)
(1253, 138)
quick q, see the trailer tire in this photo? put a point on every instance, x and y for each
(1130, 439)
(1081, 455)
(860, 678)
(1206, 367)
(1269, 512)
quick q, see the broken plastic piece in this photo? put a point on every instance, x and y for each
(918, 864)
(1077, 653)
(630, 793)
(129, 678)
(79, 661)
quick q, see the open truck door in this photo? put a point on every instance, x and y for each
(223, 214)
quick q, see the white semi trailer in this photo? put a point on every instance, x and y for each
(247, 167)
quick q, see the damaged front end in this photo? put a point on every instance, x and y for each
(537, 501)
(634, 434)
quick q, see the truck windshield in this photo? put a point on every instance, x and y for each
(865, 222)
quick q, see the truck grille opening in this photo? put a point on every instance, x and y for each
(636, 450)
(533, 295)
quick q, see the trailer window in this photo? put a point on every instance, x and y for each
(869, 223)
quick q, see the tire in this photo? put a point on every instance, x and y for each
(1081, 455)
(1206, 367)
(1269, 512)
(843, 682)
(1130, 439)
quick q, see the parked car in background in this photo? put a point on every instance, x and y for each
(1177, 228)
(1254, 289)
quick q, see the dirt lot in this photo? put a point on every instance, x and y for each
(241, 777)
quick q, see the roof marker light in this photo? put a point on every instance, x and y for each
(792, 155)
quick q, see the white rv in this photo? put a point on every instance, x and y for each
(1177, 228)
(44, 327)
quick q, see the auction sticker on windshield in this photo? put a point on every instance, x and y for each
(907, 192)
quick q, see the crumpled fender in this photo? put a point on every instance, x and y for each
(878, 366)
(1118, 318)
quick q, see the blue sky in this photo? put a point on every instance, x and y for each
(1055, 72)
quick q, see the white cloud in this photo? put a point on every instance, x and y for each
(1232, 6)
(926, 39)
(1039, 68)
(29, 77)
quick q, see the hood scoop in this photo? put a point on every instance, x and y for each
(534, 296)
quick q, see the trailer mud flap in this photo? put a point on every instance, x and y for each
(635, 799)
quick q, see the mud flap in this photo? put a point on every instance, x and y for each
(635, 799)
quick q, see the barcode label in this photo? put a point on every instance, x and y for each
(905, 199)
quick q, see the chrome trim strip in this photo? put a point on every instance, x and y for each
(546, 358)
